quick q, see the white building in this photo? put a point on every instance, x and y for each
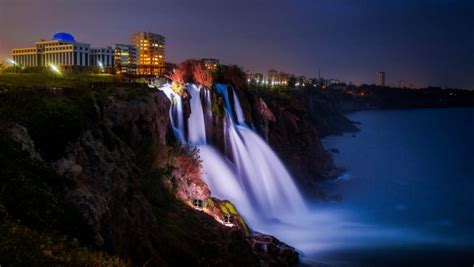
(102, 57)
(62, 50)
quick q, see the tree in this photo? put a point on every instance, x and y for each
(292, 81)
(2, 66)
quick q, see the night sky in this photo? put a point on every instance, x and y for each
(426, 42)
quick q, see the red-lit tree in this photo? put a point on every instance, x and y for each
(178, 79)
(202, 76)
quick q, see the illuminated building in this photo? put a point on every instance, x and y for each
(102, 58)
(210, 63)
(62, 50)
(277, 78)
(126, 59)
(257, 77)
(381, 78)
(272, 76)
(151, 53)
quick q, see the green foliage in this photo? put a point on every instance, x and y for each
(52, 120)
(141, 80)
(161, 81)
(49, 80)
(22, 246)
(177, 88)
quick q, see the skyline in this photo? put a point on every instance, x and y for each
(421, 42)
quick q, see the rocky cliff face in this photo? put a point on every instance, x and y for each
(134, 187)
(294, 123)
(106, 180)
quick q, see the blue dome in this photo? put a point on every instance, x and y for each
(64, 36)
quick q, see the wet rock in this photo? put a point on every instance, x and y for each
(272, 251)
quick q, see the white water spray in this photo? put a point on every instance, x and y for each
(252, 177)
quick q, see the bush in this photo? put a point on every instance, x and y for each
(202, 76)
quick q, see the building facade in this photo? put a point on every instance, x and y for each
(256, 77)
(62, 50)
(381, 78)
(126, 59)
(151, 53)
(103, 58)
(210, 63)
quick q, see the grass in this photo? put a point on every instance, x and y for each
(22, 246)
(41, 80)
(52, 120)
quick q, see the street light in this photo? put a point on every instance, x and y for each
(13, 62)
(101, 66)
(54, 68)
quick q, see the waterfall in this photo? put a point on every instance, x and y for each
(197, 126)
(176, 112)
(238, 109)
(250, 174)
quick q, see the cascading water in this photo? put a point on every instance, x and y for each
(251, 176)
(176, 112)
(196, 124)
(238, 109)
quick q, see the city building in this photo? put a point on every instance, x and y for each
(277, 78)
(210, 63)
(272, 76)
(256, 77)
(103, 58)
(381, 78)
(151, 53)
(125, 59)
(62, 50)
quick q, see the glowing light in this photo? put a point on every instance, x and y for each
(100, 64)
(54, 68)
(12, 61)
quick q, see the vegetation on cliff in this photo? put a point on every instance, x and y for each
(90, 179)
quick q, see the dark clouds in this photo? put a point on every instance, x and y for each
(421, 41)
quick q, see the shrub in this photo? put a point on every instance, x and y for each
(234, 75)
(177, 78)
(202, 76)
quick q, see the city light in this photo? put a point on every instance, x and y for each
(55, 69)
(100, 64)
(12, 61)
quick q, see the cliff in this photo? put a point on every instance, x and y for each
(101, 168)
(293, 122)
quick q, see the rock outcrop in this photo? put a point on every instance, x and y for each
(285, 122)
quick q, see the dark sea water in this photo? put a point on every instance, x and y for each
(407, 195)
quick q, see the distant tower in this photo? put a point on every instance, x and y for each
(381, 78)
